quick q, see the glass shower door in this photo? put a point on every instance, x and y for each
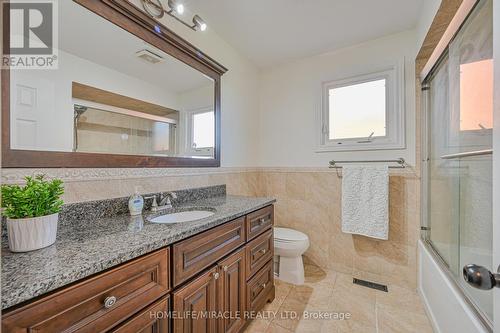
(459, 168)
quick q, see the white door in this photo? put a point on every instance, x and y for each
(32, 105)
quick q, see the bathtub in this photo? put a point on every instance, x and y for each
(444, 303)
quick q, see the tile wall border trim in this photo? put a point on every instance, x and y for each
(16, 176)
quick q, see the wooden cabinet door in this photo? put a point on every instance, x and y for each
(195, 305)
(232, 292)
(153, 319)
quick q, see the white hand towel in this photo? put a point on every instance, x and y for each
(365, 201)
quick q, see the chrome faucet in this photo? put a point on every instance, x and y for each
(165, 202)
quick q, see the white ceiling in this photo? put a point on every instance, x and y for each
(269, 32)
(81, 33)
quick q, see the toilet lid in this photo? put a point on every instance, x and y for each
(286, 234)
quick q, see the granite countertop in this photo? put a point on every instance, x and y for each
(93, 244)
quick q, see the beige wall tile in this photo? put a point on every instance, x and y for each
(307, 200)
(311, 202)
(294, 185)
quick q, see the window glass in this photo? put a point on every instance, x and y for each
(358, 110)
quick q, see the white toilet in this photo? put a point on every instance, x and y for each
(289, 245)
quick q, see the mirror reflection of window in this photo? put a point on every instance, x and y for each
(203, 130)
(200, 130)
(476, 95)
(470, 68)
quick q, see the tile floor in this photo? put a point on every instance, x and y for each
(331, 293)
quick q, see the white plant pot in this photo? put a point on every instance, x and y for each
(32, 233)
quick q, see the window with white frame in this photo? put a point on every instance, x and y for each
(363, 112)
(201, 132)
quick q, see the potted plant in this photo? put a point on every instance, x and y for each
(32, 212)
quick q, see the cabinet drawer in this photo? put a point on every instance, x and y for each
(259, 252)
(260, 288)
(81, 307)
(259, 221)
(153, 319)
(201, 251)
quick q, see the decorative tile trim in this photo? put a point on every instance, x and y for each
(16, 176)
(408, 172)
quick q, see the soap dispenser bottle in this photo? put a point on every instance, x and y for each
(136, 203)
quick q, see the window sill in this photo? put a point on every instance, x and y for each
(359, 147)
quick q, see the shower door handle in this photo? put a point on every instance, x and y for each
(480, 277)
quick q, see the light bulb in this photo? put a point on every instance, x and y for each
(203, 27)
(180, 9)
(176, 6)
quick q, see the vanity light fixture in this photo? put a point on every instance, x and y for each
(199, 23)
(156, 10)
(175, 6)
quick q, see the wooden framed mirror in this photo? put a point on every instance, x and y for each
(128, 92)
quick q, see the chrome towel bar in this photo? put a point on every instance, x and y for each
(400, 161)
(468, 154)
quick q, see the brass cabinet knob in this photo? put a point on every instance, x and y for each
(216, 275)
(109, 301)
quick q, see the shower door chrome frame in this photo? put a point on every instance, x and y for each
(496, 159)
(424, 216)
(438, 54)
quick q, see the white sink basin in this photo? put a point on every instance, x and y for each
(187, 216)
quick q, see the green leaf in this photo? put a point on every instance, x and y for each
(39, 197)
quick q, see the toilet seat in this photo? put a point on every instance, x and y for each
(286, 235)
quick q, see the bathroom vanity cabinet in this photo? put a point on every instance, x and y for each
(210, 282)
